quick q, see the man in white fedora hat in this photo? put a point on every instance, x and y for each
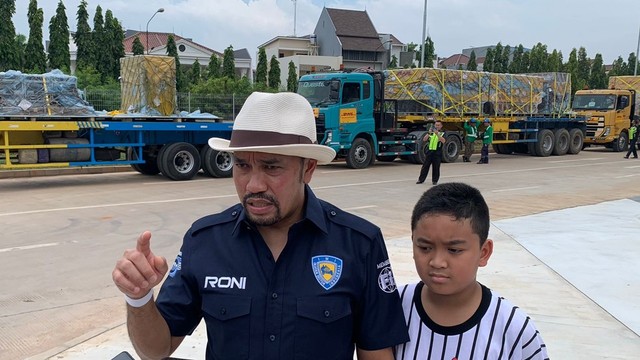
(281, 275)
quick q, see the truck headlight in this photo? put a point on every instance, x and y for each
(329, 137)
(606, 131)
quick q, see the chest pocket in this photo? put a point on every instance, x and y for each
(328, 318)
(228, 324)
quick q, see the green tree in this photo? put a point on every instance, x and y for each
(82, 37)
(59, 57)
(538, 59)
(261, 67)
(555, 61)
(488, 60)
(598, 76)
(471, 64)
(229, 63)
(393, 64)
(35, 59)
(213, 69)
(137, 47)
(21, 45)
(194, 73)
(619, 67)
(572, 68)
(8, 50)
(429, 53)
(274, 73)
(583, 68)
(292, 78)
(497, 59)
(115, 40)
(172, 50)
(526, 60)
(631, 64)
(515, 67)
(98, 55)
(504, 58)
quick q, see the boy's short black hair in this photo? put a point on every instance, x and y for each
(459, 200)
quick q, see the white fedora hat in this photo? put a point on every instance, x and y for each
(281, 123)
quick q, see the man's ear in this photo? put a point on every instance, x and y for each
(309, 166)
(485, 252)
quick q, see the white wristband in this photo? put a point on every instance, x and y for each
(139, 302)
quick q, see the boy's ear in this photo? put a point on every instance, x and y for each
(485, 252)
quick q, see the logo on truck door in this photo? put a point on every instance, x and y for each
(348, 116)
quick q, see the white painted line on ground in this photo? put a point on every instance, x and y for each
(626, 176)
(516, 189)
(28, 247)
(632, 167)
(337, 171)
(360, 207)
(566, 161)
(115, 205)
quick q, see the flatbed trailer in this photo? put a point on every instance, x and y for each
(174, 146)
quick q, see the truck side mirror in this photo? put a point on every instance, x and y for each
(334, 90)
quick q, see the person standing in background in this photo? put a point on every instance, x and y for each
(471, 130)
(633, 139)
(487, 139)
(433, 154)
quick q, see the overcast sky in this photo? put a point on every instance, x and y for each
(608, 27)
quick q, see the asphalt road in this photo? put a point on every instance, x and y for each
(62, 235)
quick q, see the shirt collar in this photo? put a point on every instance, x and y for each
(312, 212)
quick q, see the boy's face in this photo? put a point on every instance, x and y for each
(447, 253)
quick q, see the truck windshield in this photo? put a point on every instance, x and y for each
(594, 102)
(317, 92)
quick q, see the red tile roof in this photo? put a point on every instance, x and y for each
(158, 39)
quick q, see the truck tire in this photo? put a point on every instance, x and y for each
(150, 166)
(451, 148)
(418, 158)
(360, 155)
(576, 141)
(217, 164)
(504, 149)
(544, 146)
(621, 143)
(181, 161)
(560, 141)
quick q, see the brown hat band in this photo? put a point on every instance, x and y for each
(247, 138)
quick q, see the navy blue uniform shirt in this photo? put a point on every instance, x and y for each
(331, 287)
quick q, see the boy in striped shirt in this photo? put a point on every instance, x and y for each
(450, 315)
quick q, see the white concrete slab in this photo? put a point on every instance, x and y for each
(596, 248)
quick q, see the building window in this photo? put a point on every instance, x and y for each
(182, 48)
(359, 55)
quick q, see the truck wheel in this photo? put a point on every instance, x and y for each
(560, 141)
(360, 154)
(181, 161)
(504, 149)
(544, 146)
(218, 164)
(621, 143)
(576, 141)
(418, 158)
(150, 166)
(451, 149)
(521, 148)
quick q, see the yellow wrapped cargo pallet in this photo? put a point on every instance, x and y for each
(627, 83)
(148, 85)
(460, 93)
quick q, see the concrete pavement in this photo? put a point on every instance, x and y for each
(574, 271)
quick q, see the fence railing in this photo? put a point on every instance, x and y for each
(223, 106)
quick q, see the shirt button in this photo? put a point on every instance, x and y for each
(327, 313)
(272, 337)
(333, 213)
(274, 296)
(223, 311)
(234, 213)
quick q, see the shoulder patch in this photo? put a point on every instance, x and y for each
(229, 215)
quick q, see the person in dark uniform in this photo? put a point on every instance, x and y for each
(282, 274)
(433, 155)
(633, 139)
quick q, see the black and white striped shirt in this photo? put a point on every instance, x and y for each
(497, 330)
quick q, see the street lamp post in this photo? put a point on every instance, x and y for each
(635, 70)
(147, 32)
(424, 34)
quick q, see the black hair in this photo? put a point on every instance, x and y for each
(459, 200)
